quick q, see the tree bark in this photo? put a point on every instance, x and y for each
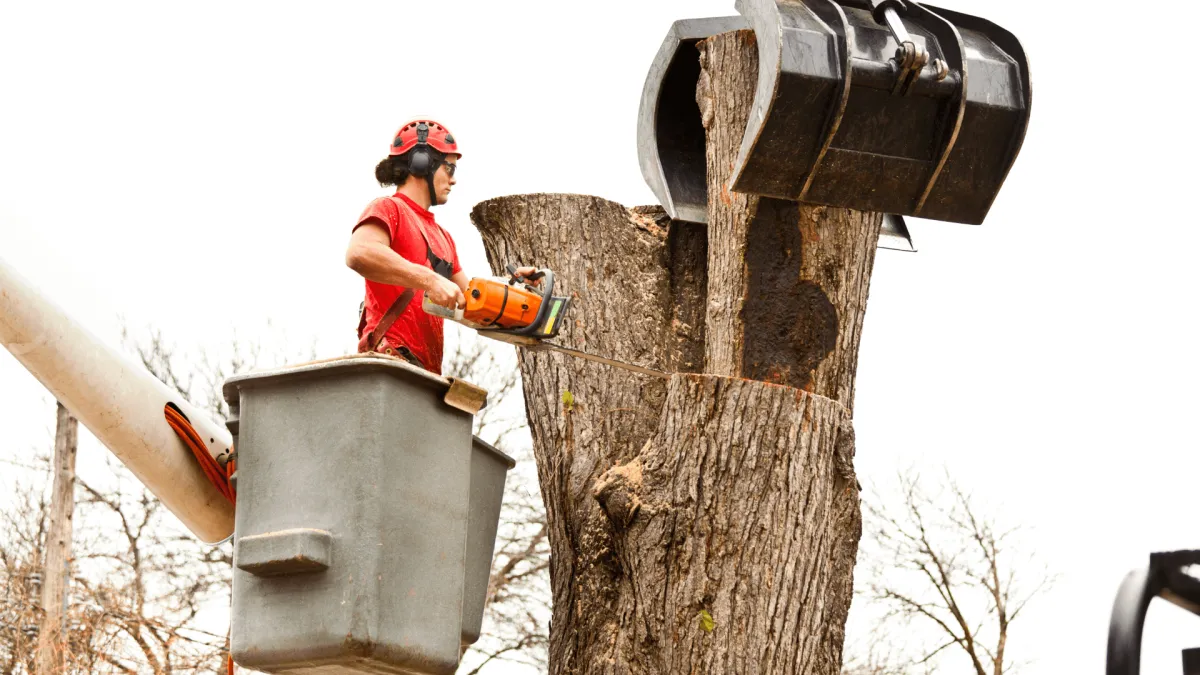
(51, 646)
(705, 522)
(790, 279)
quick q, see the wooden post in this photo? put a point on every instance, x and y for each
(51, 647)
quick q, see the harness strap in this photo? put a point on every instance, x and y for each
(389, 317)
(443, 267)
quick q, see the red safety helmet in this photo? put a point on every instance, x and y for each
(437, 137)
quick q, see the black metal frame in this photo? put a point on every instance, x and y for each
(1165, 577)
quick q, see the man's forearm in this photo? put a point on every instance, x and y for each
(383, 265)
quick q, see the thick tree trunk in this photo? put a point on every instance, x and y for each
(709, 522)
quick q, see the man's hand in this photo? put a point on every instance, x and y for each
(527, 272)
(445, 293)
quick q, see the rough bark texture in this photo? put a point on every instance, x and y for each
(709, 522)
(788, 282)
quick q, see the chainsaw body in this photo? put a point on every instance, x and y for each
(509, 309)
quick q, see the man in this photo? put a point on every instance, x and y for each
(403, 253)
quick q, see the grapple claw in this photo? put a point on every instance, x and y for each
(921, 113)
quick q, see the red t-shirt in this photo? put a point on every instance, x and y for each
(420, 332)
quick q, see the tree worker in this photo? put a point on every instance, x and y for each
(403, 253)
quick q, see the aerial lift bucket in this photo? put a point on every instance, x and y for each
(877, 105)
(366, 518)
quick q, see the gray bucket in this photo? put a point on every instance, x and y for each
(354, 518)
(489, 468)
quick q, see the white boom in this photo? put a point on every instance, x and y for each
(119, 401)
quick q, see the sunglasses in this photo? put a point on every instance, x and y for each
(450, 168)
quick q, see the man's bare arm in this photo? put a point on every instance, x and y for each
(370, 254)
(461, 279)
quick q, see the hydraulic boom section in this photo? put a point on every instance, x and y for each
(121, 403)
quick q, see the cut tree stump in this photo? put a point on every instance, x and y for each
(709, 522)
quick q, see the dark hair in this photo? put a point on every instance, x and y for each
(393, 170)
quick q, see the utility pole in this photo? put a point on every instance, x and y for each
(51, 646)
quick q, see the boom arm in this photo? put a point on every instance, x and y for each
(118, 401)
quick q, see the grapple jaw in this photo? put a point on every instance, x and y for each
(1169, 576)
(876, 105)
(670, 132)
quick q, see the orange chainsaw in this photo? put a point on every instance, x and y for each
(520, 311)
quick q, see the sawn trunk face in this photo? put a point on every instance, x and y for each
(706, 522)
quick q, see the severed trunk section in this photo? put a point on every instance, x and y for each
(707, 522)
(790, 279)
(728, 527)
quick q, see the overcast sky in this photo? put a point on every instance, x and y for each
(198, 166)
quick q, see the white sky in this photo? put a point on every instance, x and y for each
(198, 167)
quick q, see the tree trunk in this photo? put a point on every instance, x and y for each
(705, 522)
(792, 279)
(51, 646)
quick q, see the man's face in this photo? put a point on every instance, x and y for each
(443, 179)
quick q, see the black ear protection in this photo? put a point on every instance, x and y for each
(419, 161)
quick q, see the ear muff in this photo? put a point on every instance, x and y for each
(418, 162)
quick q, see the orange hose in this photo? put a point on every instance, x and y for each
(216, 475)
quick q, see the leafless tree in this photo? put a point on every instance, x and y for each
(22, 535)
(134, 597)
(150, 578)
(515, 626)
(947, 576)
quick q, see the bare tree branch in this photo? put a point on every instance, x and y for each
(936, 565)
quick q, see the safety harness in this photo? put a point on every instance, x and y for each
(375, 339)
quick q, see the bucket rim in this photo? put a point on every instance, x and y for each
(350, 362)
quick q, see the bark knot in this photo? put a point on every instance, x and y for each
(617, 491)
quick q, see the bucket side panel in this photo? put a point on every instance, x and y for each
(791, 136)
(976, 169)
(488, 473)
(299, 467)
(425, 493)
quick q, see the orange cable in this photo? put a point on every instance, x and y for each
(216, 474)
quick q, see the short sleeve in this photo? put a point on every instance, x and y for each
(405, 239)
(380, 209)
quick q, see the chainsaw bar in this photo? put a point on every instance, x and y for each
(544, 346)
(536, 345)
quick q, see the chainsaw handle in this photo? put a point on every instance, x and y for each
(434, 309)
(515, 278)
